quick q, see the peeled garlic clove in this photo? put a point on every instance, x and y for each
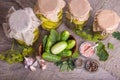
(41, 62)
(35, 63)
(28, 61)
(32, 68)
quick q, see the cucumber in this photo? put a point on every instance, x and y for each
(65, 35)
(71, 44)
(48, 24)
(51, 57)
(36, 34)
(60, 14)
(59, 47)
(78, 22)
(65, 53)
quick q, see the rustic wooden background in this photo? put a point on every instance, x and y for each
(109, 70)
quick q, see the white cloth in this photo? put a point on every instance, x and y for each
(26, 34)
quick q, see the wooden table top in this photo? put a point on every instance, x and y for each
(109, 70)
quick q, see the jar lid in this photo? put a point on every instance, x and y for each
(79, 8)
(46, 6)
(107, 19)
(22, 25)
(92, 65)
(19, 20)
(87, 49)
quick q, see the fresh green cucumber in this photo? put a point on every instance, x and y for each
(59, 47)
(65, 53)
(51, 57)
(78, 22)
(65, 35)
(71, 44)
(36, 34)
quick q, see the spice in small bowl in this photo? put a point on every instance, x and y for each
(79, 63)
(92, 65)
(87, 49)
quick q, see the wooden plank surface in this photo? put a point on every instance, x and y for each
(109, 70)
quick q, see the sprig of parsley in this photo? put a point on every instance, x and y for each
(67, 65)
(110, 46)
(102, 52)
(116, 35)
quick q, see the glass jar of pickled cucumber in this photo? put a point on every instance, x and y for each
(50, 12)
(36, 36)
(78, 12)
(23, 26)
(48, 24)
(103, 27)
(74, 23)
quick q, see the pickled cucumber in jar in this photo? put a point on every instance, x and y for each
(77, 13)
(23, 26)
(50, 13)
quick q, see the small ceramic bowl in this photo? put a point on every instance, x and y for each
(92, 65)
(79, 63)
(87, 49)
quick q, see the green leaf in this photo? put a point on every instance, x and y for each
(101, 52)
(27, 51)
(87, 36)
(116, 35)
(67, 65)
(2, 57)
(110, 46)
(75, 55)
(64, 66)
(59, 63)
(16, 55)
(103, 55)
(71, 64)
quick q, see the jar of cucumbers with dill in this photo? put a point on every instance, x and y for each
(50, 14)
(77, 14)
(48, 24)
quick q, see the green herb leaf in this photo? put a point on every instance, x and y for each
(64, 66)
(27, 51)
(16, 55)
(2, 57)
(75, 55)
(116, 35)
(67, 65)
(101, 52)
(110, 46)
(87, 36)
